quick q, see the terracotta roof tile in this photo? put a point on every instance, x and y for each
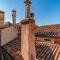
(12, 47)
(44, 30)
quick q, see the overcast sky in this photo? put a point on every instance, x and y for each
(46, 11)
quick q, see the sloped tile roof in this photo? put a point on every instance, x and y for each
(47, 51)
(12, 47)
(15, 45)
(4, 55)
(49, 30)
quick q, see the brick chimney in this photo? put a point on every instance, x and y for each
(1, 19)
(27, 35)
(14, 17)
(27, 39)
(27, 8)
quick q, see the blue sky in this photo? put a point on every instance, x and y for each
(46, 11)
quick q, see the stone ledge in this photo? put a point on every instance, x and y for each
(27, 20)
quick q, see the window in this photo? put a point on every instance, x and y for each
(47, 40)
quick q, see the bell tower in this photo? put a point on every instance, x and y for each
(27, 34)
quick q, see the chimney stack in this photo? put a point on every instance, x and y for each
(1, 19)
(28, 51)
(14, 17)
(27, 8)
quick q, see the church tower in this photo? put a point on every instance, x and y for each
(1, 19)
(27, 34)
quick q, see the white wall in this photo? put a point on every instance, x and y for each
(8, 34)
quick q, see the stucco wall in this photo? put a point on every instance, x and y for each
(39, 38)
(8, 34)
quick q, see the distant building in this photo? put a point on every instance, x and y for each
(48, 33)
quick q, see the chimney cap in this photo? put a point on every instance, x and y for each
(14, 10)
(1, 11)
(32, 14)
